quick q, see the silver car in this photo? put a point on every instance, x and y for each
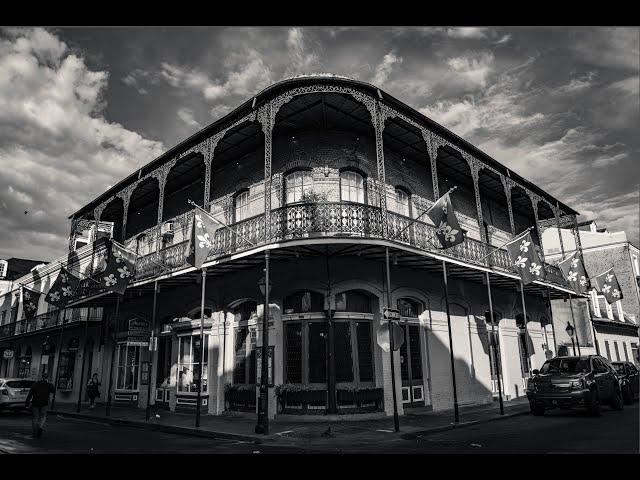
(13, 392)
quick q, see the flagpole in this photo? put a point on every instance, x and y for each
(202, 347)
(152, 352)
(191, 202)
(505, 243)
(496, 358)
(574, 323)
(108, 409)
(526, 331)
(423, 213)
(456, 414)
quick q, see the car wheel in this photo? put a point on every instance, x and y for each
(616, 401)
(595, 409)
(537, 410)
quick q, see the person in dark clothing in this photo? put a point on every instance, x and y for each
(92, 390)
(38, 400)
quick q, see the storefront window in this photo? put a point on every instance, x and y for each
(317, 352)
(303, 302)
(128, 367)
(365, 351)
(189, 355)
(293, 352)
(353, 301)
(24, 364)
(65, 375)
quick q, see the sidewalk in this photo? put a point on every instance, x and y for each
(291, 431)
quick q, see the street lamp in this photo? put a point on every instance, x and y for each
(263, 405)
(570, 331)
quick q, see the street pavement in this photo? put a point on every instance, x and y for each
(558, 432)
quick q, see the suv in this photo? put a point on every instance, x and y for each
(13, 392)
(629, 380)
(563, 382)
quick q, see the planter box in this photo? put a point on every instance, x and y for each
(304, 401)
(240, 400)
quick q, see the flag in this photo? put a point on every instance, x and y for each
(63, 289)
(202, 236)
(525, 259)
(607, 284)
(30, 299)
(573, 271)
(443, 216)
(120, 269)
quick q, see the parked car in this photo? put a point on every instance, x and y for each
(629, 379)
(13, 392)
(583, 381)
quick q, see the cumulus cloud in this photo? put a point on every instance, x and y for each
(474, 67)
(467, 32)
(187, 116)
(384, 68)
(57, 151)
(302, 59)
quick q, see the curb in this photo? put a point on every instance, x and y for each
(417, 435)
(160, 427)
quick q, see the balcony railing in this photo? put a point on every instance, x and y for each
(50, 320)
(329, 219)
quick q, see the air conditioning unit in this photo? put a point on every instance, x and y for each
(167, 229)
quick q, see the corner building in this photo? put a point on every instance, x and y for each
(322, 174)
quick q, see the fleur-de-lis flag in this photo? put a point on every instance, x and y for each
(607, 284)
(30, 299)
(63, 289)
(201, 240)
(443, 216)
(525, 259)
(120, 269)
(574, 273)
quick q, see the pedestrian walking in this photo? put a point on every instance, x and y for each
(38, 401)
(93, 391)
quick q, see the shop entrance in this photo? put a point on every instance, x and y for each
(411, 353)
(163, 374)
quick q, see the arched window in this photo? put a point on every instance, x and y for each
(141, 244)
(351, 186)
(403, 204)
(245, 310)
(241, 206)
(304, 301)
(296, 184)
(409, 308)
(244, 368)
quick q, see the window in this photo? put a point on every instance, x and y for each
(65, 375)
(240, 362)
(143, 244)
(635, 354)
(353, 301)
(351, 187)
(523, 345)
(293, 352)
(303, 302)
(3, 317)
(24, 364)
(296, 184)
(608, 307)
(626, 354)
(620, 311)
(595, 306)
(494, 342)
(128, 371)
(365, 350)
(3, 268)
(615, 347)
(318, 352)
(342, 351)
(241, 206)
(636, 267)
(402, 202)
(606, 346)
(189, 356)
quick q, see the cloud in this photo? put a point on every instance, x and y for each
(57, 151)
(383, 70)
(503, 40)
(302, 60)
(474, 67)
(467, 32)
(187, 116)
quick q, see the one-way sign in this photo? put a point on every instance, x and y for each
(391, 314)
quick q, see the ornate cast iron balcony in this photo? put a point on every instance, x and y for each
(322, 220)
(50, 320)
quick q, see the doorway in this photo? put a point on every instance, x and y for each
(411, 353)
(163, 377)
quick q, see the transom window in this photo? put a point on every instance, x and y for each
(353, 301)
(402, 202)
(351, 186)
(303, 302)
(296, 184)
(242, 205)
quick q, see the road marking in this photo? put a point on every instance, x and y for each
(383, 430)
(286, 431)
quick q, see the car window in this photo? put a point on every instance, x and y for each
(631, 368)
(565, 365)
(599, 365)
(619, 367)
(20, 383)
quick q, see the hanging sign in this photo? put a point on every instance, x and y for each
(74, 344)
(391, 314)
(138, 332)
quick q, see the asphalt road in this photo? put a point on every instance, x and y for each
(557, 432)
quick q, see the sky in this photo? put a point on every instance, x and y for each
(82, 108)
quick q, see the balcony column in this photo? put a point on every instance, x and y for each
(534, 203)
(208, 161)
(506, 183)
(266, 117)
(162, 176)
(475, 168)
(433, 144)
(126, 198)
(379, 119)
(556, 212)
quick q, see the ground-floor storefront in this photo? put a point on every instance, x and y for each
(325, 329)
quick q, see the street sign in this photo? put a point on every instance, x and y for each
(153, 344)
(391, 314)
(383, 336)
